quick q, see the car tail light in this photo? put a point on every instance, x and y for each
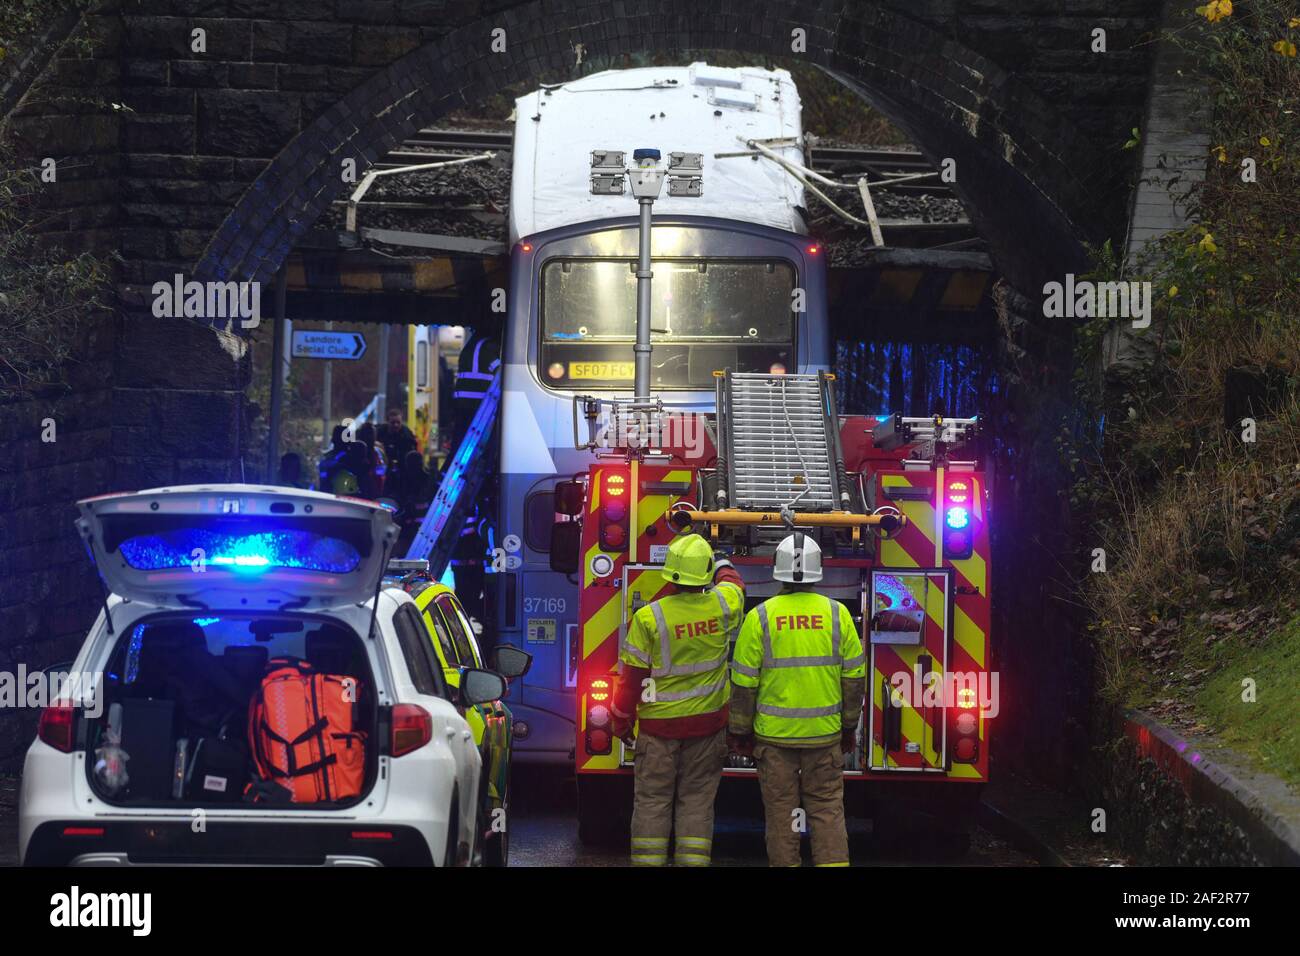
(372, 834)
(959, 518)
(83, 831)
(615, 509)
(412, 729)
(58, 727)
(599, 739)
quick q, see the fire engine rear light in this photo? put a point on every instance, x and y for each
(966, 723)
(57, 726)
(555, 370)
(957, 518)
(598, 742)
(598, 716)
(412, 729)
(966, 698)
(600, 689)
(614, 511)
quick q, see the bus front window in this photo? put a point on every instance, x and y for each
(706, 316)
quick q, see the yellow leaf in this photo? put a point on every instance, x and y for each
(1222, 153)
(1284, 47)
(1207, 244)
(1173, 291)
(1293, 22)
(1265, 141)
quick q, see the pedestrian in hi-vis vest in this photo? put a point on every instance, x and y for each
(673, 676)
(799, 675)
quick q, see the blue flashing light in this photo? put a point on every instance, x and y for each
(448, 578)
(247, 553)
(206, 621)
(957, 518)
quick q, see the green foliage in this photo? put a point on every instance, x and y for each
(1183, 507)
(47, 297)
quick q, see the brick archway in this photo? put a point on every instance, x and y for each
(1014, 155)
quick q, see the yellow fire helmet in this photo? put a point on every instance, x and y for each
(689, 561)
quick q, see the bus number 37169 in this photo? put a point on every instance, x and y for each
(545, 605)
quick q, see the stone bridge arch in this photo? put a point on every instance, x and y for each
(1018, 160)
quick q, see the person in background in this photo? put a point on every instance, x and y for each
(413, 488)
(467, 564)
(331, 460)
(291, 470)
(373, 485)
(398, 439)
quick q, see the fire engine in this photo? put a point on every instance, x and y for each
(902, 513)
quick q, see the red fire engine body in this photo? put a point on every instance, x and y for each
(918, 592)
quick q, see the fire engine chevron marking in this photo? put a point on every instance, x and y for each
(969, 635)
(914, 726)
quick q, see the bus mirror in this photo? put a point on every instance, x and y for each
(566, 546)
(569, 496)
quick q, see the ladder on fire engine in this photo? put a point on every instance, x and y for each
(458, 491)
(781, 442)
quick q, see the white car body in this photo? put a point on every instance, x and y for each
(412, 793)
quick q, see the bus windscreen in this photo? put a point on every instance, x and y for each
(707, 315)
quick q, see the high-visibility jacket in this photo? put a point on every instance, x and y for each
(478, 364)
(796, 648)
(684, 639)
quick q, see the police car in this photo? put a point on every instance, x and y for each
(253, 694)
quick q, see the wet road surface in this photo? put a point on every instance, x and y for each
(545, 833)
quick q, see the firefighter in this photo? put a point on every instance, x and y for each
(479, 361)
(673, 675)
(798, 679)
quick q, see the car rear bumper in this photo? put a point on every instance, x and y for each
(153, 843)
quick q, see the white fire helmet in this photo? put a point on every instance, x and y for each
(798, 560)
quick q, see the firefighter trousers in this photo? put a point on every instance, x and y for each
(676, 784)
(816, 773)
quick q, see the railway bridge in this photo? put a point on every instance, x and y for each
(219, 156)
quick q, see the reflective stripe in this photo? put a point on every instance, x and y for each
(830, 864)
(691, 859)
(649, 859)
(855, 662)
(702, 667)
(665, 647)
(694, 691)
(742, 669)
(835, 630)
(650, 842)
(695, 843)
(772, 710)
(726, 612)
(804, 662)
(476, 376)
(768, 660)
(478, 396)
(641, 656)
